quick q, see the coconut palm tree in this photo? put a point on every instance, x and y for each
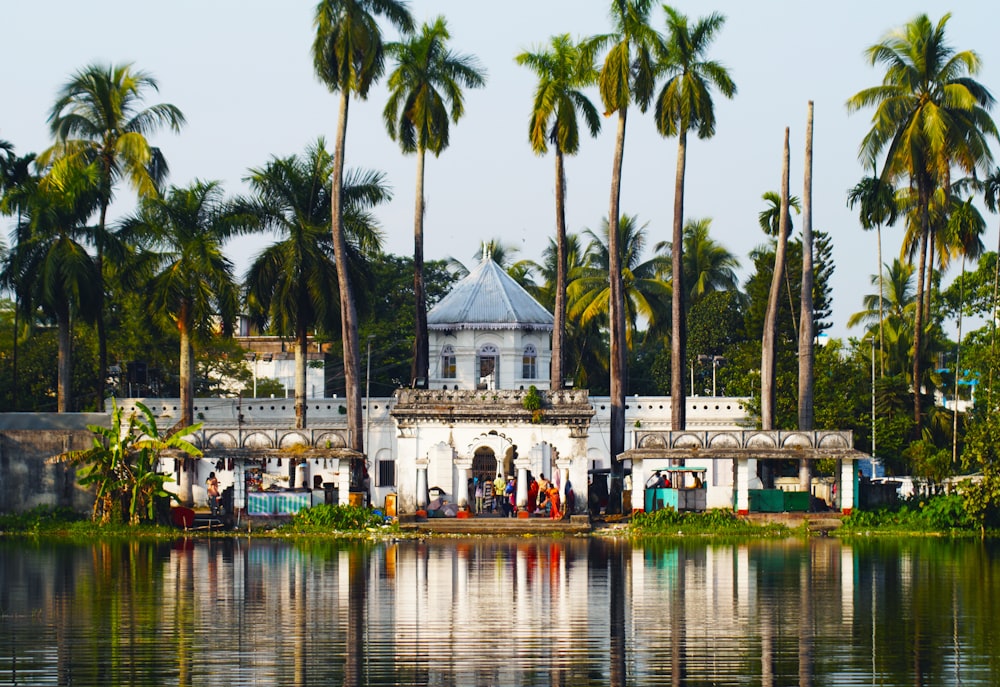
(685, 104)
(49, 267)
(646, 294)
(349, 56)
(965, 227)
(290, 284)
(193, 287)
(708, 265)
(876, 201)
(425, 96)
(930, 116)
(563, 70)
(627, 75)
(98, 117)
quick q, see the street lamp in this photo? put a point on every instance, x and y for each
(715, 360)
(368, 381)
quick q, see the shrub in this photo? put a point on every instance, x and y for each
(325, 518)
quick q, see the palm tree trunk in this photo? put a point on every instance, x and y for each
(993, 329)
(17, 306)
(918, 315)
(102, 335)
(64, 393)
(767, 350)
(881, 304)
(348, 311)
(301, 355)
(678, 328)
(421, 352)
(617, 323)
(806, 324)
(958, 369)
(557, 374)
(187, 369)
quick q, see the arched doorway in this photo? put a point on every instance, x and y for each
(484, 464)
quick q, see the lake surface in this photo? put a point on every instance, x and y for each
(572, 611)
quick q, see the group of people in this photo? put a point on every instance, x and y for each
(499, 496)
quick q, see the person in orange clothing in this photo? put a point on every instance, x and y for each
(552, 501)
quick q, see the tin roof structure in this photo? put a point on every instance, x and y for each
(489, 298)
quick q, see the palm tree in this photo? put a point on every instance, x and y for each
(628, 74)
(806, 415)
(685, 104)
(645, 292)
(349, 56)
(99, 118)
(708, 265)
(49, 267)
(562, 71)
(965, 226)
(193, 288)
(930, 115)
(290, 284)
(991, 194)
(876, 201)
(767, 359)
(425, 95)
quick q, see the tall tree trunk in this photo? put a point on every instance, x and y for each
(617, 323)
(993, 330)
(102, 335)
(348, 311)
(806, 324)
(881, 304)
(767, 349)
(64, 389)
(187, 368)
(678, 327)
(421, 351)
(301, 362)
(958, 367)
(557, 374)
(17, 307)
(918, 315)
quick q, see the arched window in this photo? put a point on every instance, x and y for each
(448, 366)
(488, 362)
(529, 362)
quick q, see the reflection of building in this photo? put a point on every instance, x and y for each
(489, 343)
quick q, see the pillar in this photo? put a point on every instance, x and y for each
(344, 481)
(562, 466)
(521, 464)
(846, 486)
(463, 466)
(421, 483)
(742, 486)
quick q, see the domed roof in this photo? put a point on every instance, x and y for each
(488, 298)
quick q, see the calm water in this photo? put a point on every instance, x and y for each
(500, 612)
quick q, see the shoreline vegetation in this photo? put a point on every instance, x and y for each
(942, 515)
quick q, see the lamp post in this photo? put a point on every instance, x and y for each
(368, 381)
(716, 360)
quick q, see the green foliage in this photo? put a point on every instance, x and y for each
(38, 520)
(982, 454)
(944, 513)
(121, 466)
(929, 461)
(325, 518)
(667, 521)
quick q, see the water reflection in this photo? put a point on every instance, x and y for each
(499, 611)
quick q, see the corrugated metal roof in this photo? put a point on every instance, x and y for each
(488, 298)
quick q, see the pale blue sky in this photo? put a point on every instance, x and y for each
(241, 72)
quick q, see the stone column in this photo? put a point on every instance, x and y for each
(562, 466)
(463, 465)
(302, 474)
(344, 481)
(846, 487)
(742, 486)
(521, 464)
(421, 463)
